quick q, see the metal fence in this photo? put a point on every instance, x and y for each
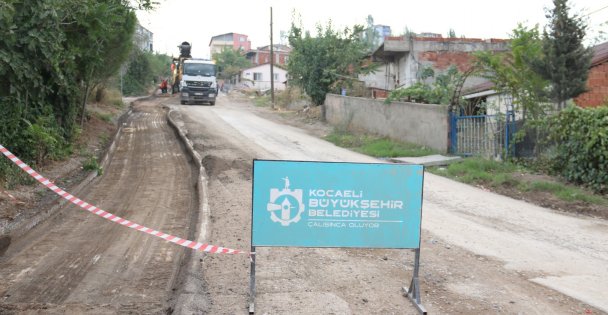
(489, 136)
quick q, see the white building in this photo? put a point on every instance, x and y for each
(258, 77)
(144, 39)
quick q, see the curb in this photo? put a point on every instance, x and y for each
(188, 298)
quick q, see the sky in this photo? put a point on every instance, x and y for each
(196, 21)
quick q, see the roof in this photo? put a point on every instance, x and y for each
(485, 86)
(280, 47)
(216, 36)
(266, 64)
(600, 54)
(479, 90)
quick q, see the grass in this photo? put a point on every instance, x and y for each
(107, 117)
(480, 171)
(377, 146)
(563, 192)
(91, 164)
(262, 101)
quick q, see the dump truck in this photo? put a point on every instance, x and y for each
(194, 79)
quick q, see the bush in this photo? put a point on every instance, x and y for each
(581, 141)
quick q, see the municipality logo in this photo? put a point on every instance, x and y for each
(285, 204)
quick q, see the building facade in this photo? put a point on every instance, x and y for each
(144, 39)
(597, 82)
(232, 41)
(406, 58)
(258, 77)
(262, 55)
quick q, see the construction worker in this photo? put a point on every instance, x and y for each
(163, 86)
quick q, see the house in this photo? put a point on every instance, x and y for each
(405, 58)
(597, 82)
(143, 38)
(262, 54)
(233, 41)
(484, 99)
(258, 77)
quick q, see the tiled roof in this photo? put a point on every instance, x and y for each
(600, 54)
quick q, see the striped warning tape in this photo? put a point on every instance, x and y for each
(106, 215)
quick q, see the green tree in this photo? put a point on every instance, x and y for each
(49, 50)
(230, 62)
(566, 61)
(512, 72)
(451, 33)
(109, 26)
(331, 59)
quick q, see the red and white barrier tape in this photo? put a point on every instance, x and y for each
(106, 215)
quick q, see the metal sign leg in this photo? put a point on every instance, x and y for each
(252, 282)
(413, 292)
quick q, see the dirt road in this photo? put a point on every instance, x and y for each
(77, 262)
(481, 253)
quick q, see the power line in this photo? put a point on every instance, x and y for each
(598, 10)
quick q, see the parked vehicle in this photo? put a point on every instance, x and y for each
(194, 79)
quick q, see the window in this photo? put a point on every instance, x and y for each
(202, 69)
(242, 38)
(276, 77)
(257, 76)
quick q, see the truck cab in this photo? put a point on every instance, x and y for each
(198, 82)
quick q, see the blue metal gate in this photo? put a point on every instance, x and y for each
(482, 135)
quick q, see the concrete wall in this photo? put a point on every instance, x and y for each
(422, 124)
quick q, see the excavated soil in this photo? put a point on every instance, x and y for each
(76, 262)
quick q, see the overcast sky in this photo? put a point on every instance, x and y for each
(196, 21)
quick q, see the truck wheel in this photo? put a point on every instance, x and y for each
(212, 103)
(183, 102)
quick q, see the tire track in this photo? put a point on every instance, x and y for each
(76, 258)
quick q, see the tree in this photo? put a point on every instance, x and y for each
(566, 61)
(109, 26)
(230, 62)
(451, 33)
(330, 59)
(49, 50)
(512, 72)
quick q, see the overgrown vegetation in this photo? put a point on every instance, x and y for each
(376, 146)
(52, 55)
(440, 91)
(580, 137)
(144, 71)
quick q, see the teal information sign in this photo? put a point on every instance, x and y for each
(322, 204)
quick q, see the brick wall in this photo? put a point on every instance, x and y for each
(263, 55)
(443, 59)
(597, 84)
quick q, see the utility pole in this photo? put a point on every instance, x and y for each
(271, 64)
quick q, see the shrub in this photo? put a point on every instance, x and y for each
(581, 141)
